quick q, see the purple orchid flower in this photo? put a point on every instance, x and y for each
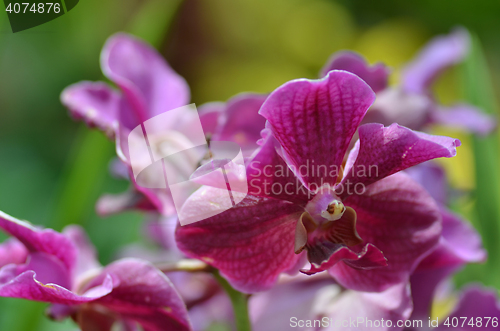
(61, 268)
(411, 103)
(149, 87)
(368, 240)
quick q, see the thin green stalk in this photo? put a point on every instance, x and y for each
(239, 301)
(82, 177)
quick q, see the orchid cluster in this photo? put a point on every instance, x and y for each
(373, 239)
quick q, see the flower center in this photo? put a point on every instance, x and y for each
(334, 210)
(325, 226)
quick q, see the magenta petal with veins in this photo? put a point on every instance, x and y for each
(314, 120)
(251, 244)
(382, 151)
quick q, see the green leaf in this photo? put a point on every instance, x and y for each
(479, 92)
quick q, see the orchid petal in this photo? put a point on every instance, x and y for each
(210, 114)
(375, 76)
(395, 105)
(440, 53)
(250, 243)
(36, 240)
(314, 121)
(465, 117)
(150, 85)
(95, 103)
(459, 244)
(47, 267)
(12, 251)
(26, 286)
(86, 253)
(240, 121)
(432, 177)
(268, 175)
(142, 293)
(384, 151)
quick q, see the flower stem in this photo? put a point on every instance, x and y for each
(188, 265)
(239, 301)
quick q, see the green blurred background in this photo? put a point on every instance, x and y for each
(52, 169)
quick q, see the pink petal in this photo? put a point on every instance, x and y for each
(460, 244)
(423, 287)
(45, 241)
(95, 103)
(26, 286)
(240, 121)
(251, 243)
(465, 117)
(210, 114)
(314, 121)
(396, 105)
(268, 175)
(432, 177)
(384, 151)
(439, 54)
(12, 251)
(150, 85)
(48, 269)
(86, 259)
(376, 76)
(398, 217)
(143, 294)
